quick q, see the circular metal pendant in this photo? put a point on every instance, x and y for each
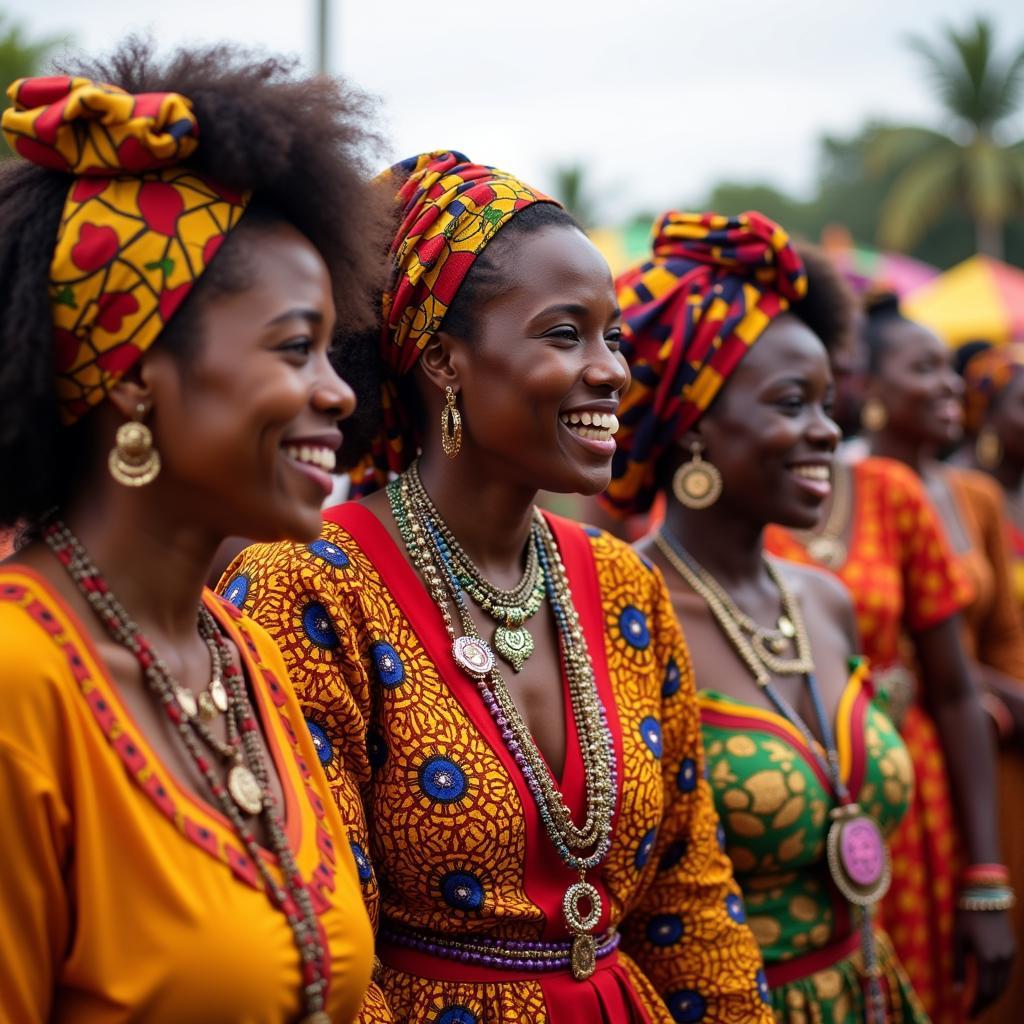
(830, 551)
(245, 790)
(583, 958)
(186, 701)
(207, 709)
(574, 917)
(858, 858)
(514, 645)
(786, 627)
(472, 655)
(220, 695)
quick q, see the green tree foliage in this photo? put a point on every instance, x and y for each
(573, 189)
(19, 57)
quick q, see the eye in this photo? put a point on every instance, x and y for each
(613, 339)
(790, 403)
(297, 346)
(564, 332)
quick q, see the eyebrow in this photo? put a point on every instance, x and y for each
(313, 316)
(572, 309)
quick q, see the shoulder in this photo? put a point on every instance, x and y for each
(816, 586)
(976, 487)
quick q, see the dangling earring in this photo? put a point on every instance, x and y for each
(988, 449)
(873, 416)
(451, 425)
(133, 461)
(697, 484)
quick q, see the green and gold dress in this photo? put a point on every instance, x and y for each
(774, 801)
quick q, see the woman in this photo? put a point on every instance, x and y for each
(727, 331)
(171, 851)
(913, 411)
(535, 852)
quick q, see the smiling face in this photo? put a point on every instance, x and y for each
(918, 386)
(541, 379)
(769, 431)
(247, 426)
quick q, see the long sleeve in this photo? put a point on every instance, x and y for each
(688, 932)
(301, 596)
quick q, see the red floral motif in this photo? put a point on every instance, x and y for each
(65, 348)
(114, 307)
(161, 205)
(171, 299)
(87, 188)
(96, 246)
(41, 154)
(120, 359)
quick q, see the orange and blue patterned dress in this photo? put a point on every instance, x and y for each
(448, 840)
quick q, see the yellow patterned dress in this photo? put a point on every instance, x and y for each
(449, 843)
(774, 800)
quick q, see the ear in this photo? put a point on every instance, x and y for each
(136, 388)
(441, 361)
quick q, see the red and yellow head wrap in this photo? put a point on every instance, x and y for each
(691, 312)
(137, 230)
(986, 375)
(450, 211)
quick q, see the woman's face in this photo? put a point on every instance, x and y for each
(918, 387)
(1007, 418)
(769, 431)
(248, 427)
(541, 381)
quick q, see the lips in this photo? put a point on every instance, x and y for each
(319, 456)
(591, 425)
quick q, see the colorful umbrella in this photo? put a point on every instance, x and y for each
(865, 269)
(981, 299)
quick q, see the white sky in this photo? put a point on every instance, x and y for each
(660, 98)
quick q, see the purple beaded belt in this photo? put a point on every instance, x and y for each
(487, 951)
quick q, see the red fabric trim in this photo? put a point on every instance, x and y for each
(855, 735)
(803, 966)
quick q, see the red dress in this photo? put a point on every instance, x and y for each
(904, 578)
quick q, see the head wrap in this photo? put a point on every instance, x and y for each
(136, 231)
(691, 312)
(985, 377)
(450, 211)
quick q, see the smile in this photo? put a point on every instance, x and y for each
(321, 458)
(813, 472)
(592, 426)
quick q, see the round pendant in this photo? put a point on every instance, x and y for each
(472, 655)
(245, 790)
(220, 695)
(858, 859)
(207, 708)
(514, 645)
(577, 920)
(583, 958)
(186, 701)
(786, 627)
(830, 551)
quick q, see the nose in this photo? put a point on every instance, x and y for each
(823, 431)
(331, 393)
(606, 369)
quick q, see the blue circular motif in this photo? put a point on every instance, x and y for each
(237, 590)
(643, 851)
(330, 553)
(363, 868)
(318, 626)
(650, 732)
(720, 835)
(762, 987)
(686, 780)
(664, 929)
(442, 780)
(462, 890)
(686, 1005)
(591, 531)
(322, 742)
(673, 855)
(390, 670)
(456, 1015)
(633, 626)
(376, 749)
(735, 909)
(670, 684)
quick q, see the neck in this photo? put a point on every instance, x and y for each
(488, 514)
(1010, 475)
(891, 445)
(154, 564)
(731, 550)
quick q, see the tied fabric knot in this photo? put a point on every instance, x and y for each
(137, 229)
(691, 312)
(450, 209)
(985, 377)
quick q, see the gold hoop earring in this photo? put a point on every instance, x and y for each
(873, 416)
(697, 484)
(451, 425)
(988, 449)
(133, 461)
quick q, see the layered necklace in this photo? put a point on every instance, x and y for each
(855, 849)
(826, 545)
(430, 546)
(245, 789)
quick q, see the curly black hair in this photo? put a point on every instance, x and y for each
(829, 306)
(359, 360)
(881, 311)
(301, 144)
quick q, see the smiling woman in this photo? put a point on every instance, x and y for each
(170, 307)
(504, 704)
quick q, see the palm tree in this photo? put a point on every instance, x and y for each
(572, 189)
(972, 163)
(19, 57)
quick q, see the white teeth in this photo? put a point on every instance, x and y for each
(598, 426)
(322, 458)
(813, 472)
(585, 418)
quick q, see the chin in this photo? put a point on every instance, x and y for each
(302, 526)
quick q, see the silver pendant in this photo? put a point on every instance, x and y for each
(472, 655)
(514, 644)
(186, 701)
(220, 695)
(245, 790)
(583, 958)
(857, 855)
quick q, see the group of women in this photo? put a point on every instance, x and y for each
(437, 755)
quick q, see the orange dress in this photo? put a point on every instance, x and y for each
(123, 897)
(903, 577)
(994, 636)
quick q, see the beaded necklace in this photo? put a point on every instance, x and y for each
(856, 852)
(825, 544)
(580, 847)
(246, 787)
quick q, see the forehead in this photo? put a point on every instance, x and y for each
(912, 340)
(787, 343)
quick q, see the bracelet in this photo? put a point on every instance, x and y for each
(1002, 717)
(986, 875)
(1000, 898)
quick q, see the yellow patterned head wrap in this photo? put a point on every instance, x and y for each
(137, 229)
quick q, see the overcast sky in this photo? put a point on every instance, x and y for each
(660, 98)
